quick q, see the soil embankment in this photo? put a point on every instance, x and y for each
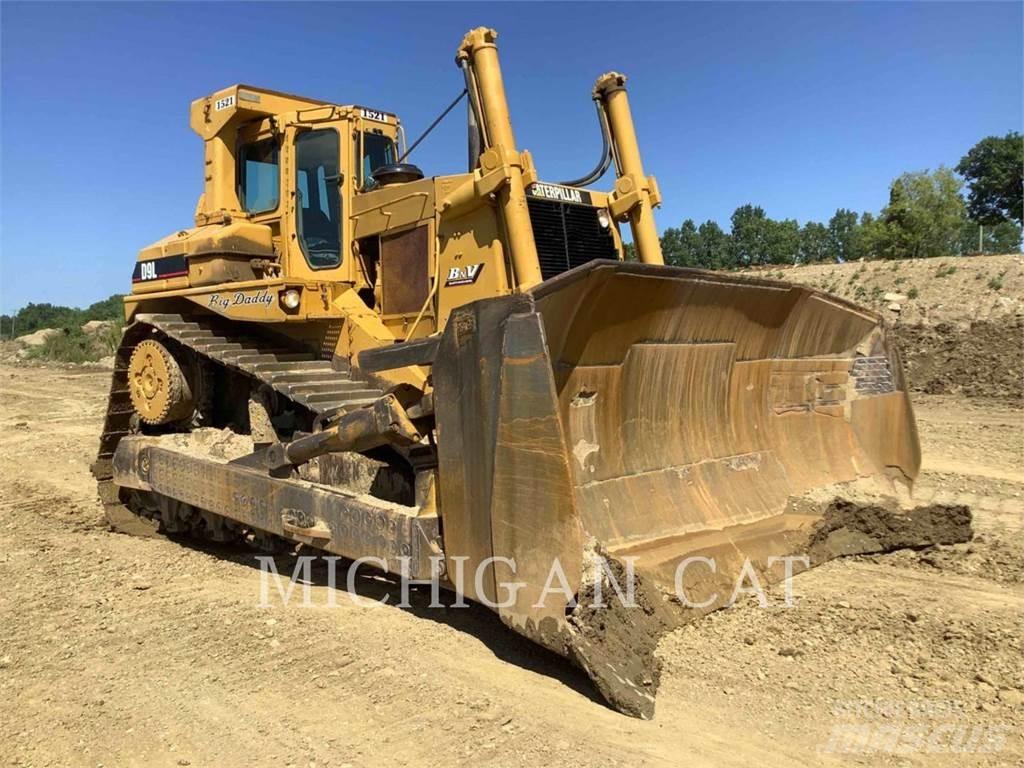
(959, 322)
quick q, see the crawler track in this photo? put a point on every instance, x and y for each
(317, 385)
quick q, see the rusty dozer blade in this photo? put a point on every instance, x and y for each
(625, 416)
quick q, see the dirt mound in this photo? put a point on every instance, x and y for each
(852, 528)
(38, 338)
(98, 326)
(959, 322)
(984, 359)
(960, 289)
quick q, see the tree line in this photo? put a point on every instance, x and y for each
(33, 317)
(927, 215)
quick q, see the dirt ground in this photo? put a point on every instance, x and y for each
(118, 651)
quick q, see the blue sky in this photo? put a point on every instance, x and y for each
(800, 108)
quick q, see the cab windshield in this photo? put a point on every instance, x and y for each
(378, 150)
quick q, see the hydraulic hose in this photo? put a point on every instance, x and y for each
(606, 154)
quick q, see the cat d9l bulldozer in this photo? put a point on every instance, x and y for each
(461, 377)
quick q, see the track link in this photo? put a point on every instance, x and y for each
(317, 385)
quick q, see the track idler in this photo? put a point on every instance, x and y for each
(161, 391)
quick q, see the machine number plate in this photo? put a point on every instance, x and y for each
(373, 114)
(227, 101)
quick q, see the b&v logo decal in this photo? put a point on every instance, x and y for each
(466, 275)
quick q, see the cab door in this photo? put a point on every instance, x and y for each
(318, 227)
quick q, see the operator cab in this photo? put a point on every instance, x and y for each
(279, 161)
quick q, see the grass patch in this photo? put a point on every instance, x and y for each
(913, 293)
(945, 271)
(109, 338)
(71, 345)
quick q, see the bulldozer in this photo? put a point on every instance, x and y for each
(464, 378)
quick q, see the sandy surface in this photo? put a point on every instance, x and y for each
(117, 651)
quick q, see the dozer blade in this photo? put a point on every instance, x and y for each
(626, 419)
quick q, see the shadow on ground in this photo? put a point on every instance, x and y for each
(371, 584)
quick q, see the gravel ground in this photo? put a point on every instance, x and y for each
(119, 651)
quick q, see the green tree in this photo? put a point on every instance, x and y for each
(1004, 237)
(111, 308)
(681, 247)
(750, 236)
(874, 239)
(783, 241)
(32, 317)
(670, 246)
(715, 247)
(758, 240)
(814, 243)
(994, 170)
(925, 215)
(844, 236)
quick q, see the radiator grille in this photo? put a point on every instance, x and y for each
(567, 235)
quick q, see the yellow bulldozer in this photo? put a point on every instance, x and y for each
(463, 378)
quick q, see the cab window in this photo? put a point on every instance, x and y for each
(258, 176)
(378, 150)
(319, 200)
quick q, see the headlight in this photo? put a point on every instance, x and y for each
(290, 299)
(603, 219)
